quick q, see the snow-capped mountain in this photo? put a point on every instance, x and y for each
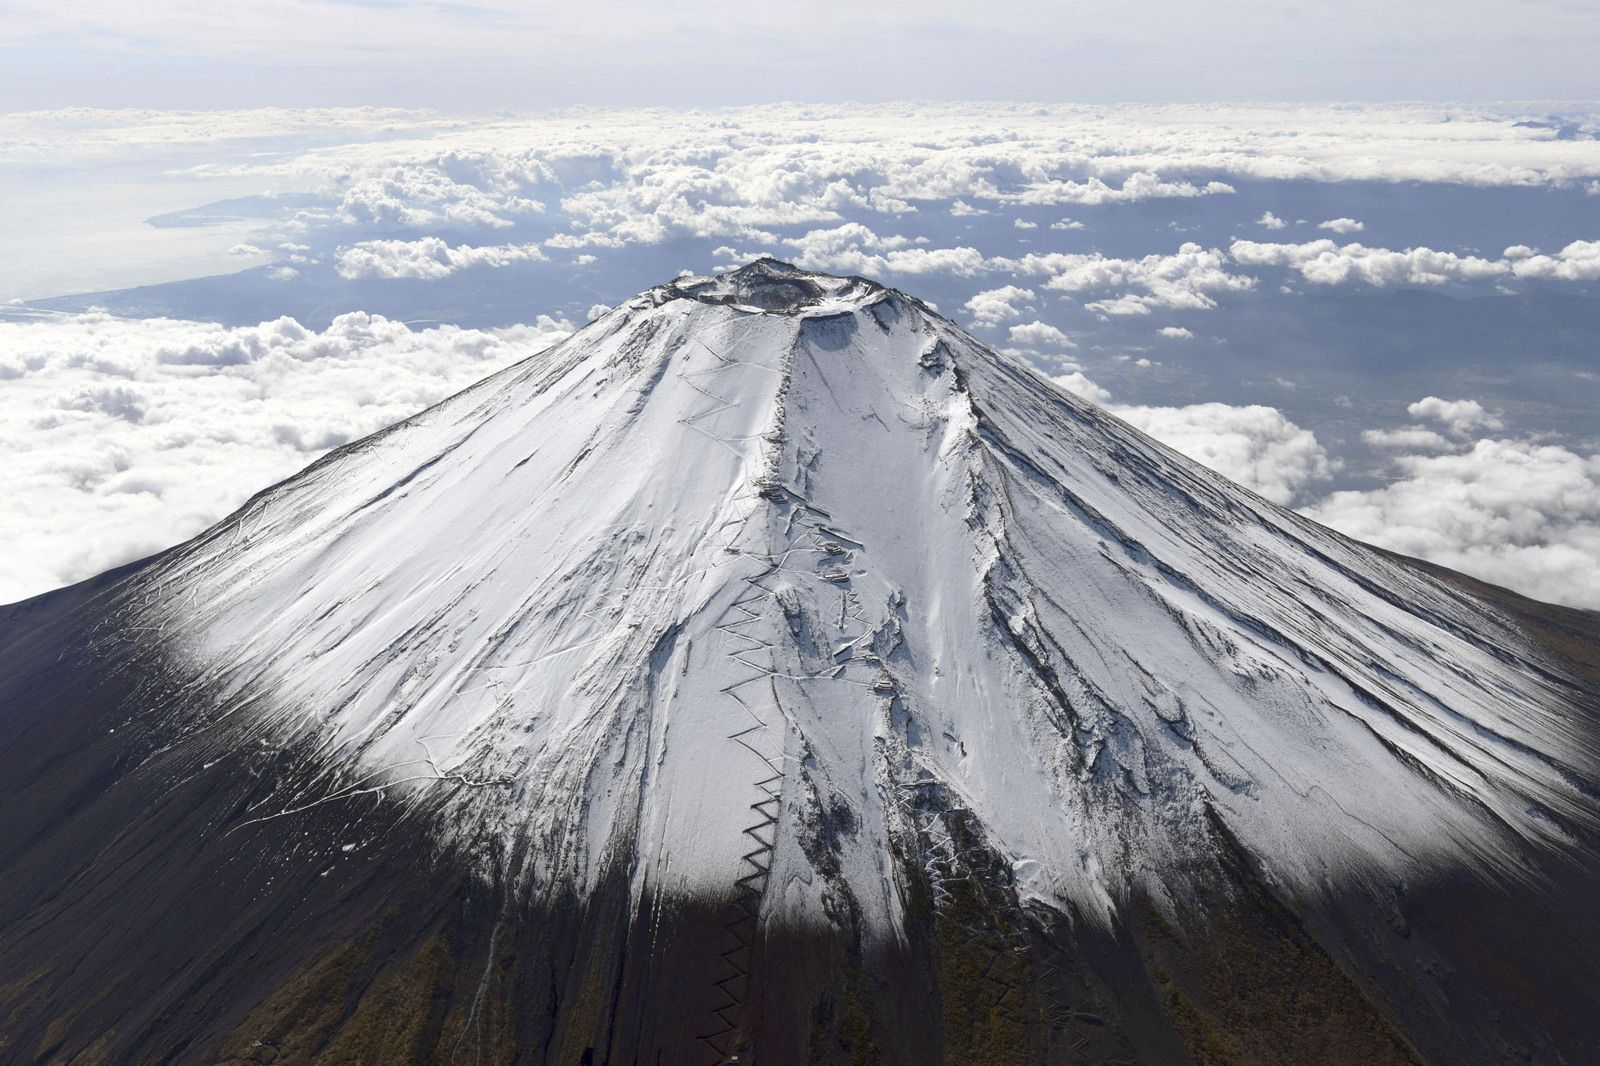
(832, 663)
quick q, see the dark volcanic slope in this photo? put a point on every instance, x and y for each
(826, 688)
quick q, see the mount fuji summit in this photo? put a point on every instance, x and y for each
(772, 673)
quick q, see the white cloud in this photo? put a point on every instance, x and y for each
(591, 239)
(1325, 263)
(994, 306)
(1512, 512)
(1270, 221)
(1066, 223)
(427, 257)
(1253, 445)
(1126, 304)
(1020, 223)
(119, 437)
(1076, 383)
(1142, 185)
(1578, 261)
(1412, 438)
(851, 249)
(1177, 332)
(1184, 280)
(1039, 335)
(473, 189)
(879, 156)
(962, 262)
(1342, 225)
(1459, 416)
(855, 249)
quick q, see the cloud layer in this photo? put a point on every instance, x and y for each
(1325, 262)
(427, 257)
(1252, 444)
(1104, 243)
(120, 437)
(735, 171)
(1512, 511)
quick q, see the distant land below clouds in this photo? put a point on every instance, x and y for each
(1381, 315)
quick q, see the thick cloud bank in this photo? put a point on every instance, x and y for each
(1252, 444)
(1515, 512)
(119, 437)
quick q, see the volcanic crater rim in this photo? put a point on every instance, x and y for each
(773, 286)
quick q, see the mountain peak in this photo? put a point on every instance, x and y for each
(771, 285)
(775, 592)
(948, 573)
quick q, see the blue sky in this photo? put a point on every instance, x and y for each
(484, 55)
